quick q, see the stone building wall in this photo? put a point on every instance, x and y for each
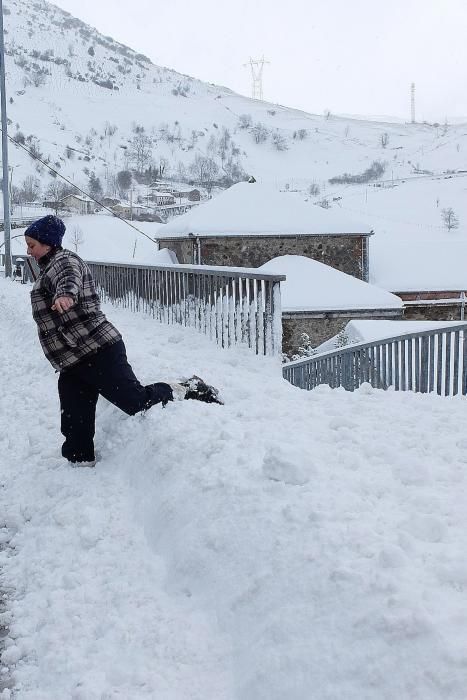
(433, 312)
(322, 326)
(347, 253)
(424, 305)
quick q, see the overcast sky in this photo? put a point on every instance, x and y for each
(348, 56)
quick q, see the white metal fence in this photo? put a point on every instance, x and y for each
(429, 361)
(230, 305)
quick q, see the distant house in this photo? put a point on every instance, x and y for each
(123, 210)
(319, 300)
(194, 196)
(52, 204)
(248, 224)
(163, 198)
(137, 211)
(109, 201)
(162, 187)
(78, 204)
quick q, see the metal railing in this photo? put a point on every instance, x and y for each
(429, 361)
(230, 305)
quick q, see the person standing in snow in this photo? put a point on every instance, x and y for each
(85, 347)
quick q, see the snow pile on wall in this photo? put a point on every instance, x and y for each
(311, 285)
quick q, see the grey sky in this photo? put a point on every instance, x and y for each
(349, 56)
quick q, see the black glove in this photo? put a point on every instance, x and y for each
(159, 393)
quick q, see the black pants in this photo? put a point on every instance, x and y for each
(107, 373)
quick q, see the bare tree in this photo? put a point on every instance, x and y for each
(124, 179)
(77, 237)
(163, 167)
(109, 130)
(279, 141)
(205, 171)
(55, 193)
(181, 171)
(384, 139)
(33, 144)
(211, 148)
(260, 133)
(449, 218)
(140, 152)
(30, 189)
(36, 78)
(244, 121)
(224, 144)
(313, 189)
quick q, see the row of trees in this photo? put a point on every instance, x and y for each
(221, 164)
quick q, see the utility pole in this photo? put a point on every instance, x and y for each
(412, 103)
(5, 183)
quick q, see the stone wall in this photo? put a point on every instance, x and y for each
(322, 326)
(347, 253)
(434, 312)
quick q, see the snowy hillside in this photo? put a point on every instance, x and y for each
(91, 105)
(286, 545)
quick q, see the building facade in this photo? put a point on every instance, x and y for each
(345, 252)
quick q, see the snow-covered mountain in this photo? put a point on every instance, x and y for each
(89, 104)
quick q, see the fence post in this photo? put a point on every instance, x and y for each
(464, 363)
(424, 366)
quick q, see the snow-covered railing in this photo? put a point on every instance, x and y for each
(230, 305)
(428, 361)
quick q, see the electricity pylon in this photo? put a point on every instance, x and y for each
(257, 66)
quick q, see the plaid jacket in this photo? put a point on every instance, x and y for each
(69, 337)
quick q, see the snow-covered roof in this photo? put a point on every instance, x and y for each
(313, 286)
(259, 209)
(402, 265)
(77, 196)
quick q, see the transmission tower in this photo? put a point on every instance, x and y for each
(412, 102)
(257, 66)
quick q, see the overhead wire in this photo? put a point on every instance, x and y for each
(75, 187)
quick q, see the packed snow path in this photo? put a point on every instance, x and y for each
(288, 545)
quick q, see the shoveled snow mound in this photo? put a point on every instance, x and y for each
(286, 545)
(313, 286)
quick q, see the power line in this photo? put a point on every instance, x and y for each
(75, 187)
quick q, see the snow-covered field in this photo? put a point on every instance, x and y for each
(286, 545)
(104, 238)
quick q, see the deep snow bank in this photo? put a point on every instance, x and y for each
(287, 545)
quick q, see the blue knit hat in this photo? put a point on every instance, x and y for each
(48, 230)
